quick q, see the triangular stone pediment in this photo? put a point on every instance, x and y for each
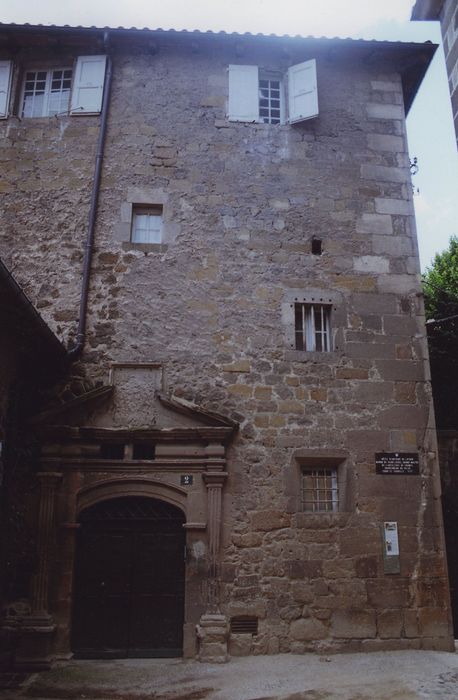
(134, 402)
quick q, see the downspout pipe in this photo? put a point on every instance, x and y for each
(75, 351)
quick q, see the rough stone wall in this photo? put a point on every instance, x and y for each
(241, 204)
(449, 27)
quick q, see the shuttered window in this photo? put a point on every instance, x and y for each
(46, 92)
(255, 96)
(87, 90)
(302, 92)
(243, 94)
(6, 71)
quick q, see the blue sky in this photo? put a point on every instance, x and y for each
(429, 125)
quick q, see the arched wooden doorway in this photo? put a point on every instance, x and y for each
(129, 580)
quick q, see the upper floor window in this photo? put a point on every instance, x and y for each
(146, 225)
(49, 91)
(256, 96)
(270, 100)
(312, 327)
(46, 92)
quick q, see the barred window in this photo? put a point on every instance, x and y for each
(320, 490)
(312, 325)
(46, 92)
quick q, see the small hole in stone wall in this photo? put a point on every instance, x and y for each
(317, 246)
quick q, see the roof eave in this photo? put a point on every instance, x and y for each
(427, 10)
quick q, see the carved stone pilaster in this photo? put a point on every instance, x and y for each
(45, 537)
(212, 630)
(38, 629)
(214, 482)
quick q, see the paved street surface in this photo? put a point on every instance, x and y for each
(402, 675)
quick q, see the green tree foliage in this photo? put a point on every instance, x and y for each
(440, 286)
(440, 283)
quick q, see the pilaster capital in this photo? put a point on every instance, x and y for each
(214, 479)
(49, 478)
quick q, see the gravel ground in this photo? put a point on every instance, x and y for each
(402, 675)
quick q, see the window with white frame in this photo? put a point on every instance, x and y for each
(51, 91)
(312, 327)
(257, 96)
(146, 224)
(320, 490)
(46, 92)
(270, 99)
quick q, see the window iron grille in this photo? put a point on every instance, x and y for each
(244, 625)
(312, 325)
(320, 491)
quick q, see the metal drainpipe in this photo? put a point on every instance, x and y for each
(76, 350)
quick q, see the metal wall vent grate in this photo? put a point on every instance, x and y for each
(244, 624)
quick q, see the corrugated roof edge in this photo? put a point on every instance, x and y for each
(207, 32)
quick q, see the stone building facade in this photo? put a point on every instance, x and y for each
(446, 11)
(31, 360)
(249, 378)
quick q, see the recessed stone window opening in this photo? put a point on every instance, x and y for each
(146, 224)
(270, 99)
(112, 450)
(312, 327)
(120, 451)
(317, 246)
(320, 490)
(46, 93)
(244, 624)
(143, 450)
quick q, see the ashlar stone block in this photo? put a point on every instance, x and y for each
(400, 207)
(375, 223)
(383, 173)
(308, 629)
(354, 624)
(371, 263)
(376, 110)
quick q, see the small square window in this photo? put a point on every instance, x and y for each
(320, 490)
(146, 225)
(312, 327)
(46, 92)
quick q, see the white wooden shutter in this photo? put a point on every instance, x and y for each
(243, 94)
(6, 71)
(302, 91)
(87, 90)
